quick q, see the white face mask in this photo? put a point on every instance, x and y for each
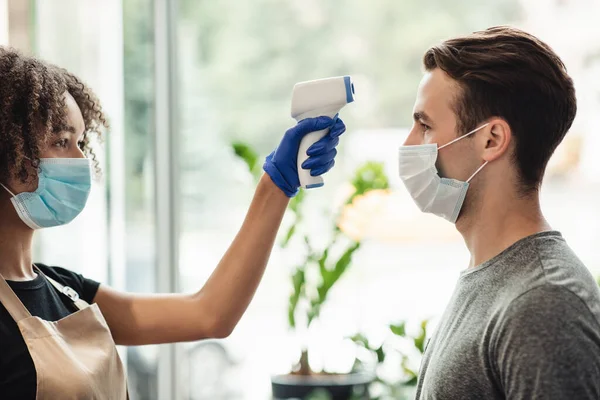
(435, 195)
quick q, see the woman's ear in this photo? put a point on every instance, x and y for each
(496, 138)
(14, 183)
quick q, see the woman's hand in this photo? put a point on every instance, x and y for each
(281, 165)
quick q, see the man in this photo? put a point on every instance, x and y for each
(524, 319)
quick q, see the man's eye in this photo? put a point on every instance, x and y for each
(424, 127)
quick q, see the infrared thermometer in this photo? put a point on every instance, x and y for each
(311, 99)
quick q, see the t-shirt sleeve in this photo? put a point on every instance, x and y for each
(86, 288)
(547, 346)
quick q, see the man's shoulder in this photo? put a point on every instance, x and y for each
(551, 296)
(561, 266)
(546, 270)
(549, 307)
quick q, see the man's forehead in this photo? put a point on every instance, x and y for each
(436, 94)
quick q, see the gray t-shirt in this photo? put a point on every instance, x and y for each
(523, 325)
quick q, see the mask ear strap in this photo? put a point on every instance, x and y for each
(463, 136)
(8, 190)
(476, 172)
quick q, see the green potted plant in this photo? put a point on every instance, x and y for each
(308, 297)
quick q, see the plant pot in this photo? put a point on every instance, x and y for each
(339, 386)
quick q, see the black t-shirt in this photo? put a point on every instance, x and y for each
(17, 372)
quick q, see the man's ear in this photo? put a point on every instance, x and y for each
(495, 139)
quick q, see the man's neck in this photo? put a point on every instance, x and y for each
(499, 224)
(15, 245)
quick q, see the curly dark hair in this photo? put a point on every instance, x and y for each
(33, 109)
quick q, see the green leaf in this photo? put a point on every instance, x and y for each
(420, 342)
(298, 280)
(313, 313)
(323, 260)
(370, 176)
(307, 242)
(412, 381)
(288, 236)
(247, 154)
(325, 275)
(380, 354)
(330, 277)
(343, 263)
(412, 375)
(399, 329)
(361, 340)
(296, 201)
(292, 311)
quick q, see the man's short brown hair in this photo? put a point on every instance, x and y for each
(507, 73)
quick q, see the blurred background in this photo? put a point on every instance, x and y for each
(181, 81)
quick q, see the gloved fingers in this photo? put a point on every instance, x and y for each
(321, 170)
(337, 128)
(329, 141)
(320, 160)
(323, 146)
(309, 125)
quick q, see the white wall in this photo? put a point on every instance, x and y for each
(3, 22)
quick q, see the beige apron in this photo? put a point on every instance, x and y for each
(75, 357)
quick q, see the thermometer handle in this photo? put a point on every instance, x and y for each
(306, 180)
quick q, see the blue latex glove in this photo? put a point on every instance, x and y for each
(281, 165)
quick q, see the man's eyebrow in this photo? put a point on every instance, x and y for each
(421, 116)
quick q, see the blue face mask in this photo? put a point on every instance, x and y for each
(63, 189)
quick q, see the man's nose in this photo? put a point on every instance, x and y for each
(411, 139)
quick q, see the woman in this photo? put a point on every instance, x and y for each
(58, 329)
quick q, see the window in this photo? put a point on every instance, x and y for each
(182, 80)
(113, 240)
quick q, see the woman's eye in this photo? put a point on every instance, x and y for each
(62, 143)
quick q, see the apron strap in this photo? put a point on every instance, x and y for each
(67, 291)
(11, 302)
